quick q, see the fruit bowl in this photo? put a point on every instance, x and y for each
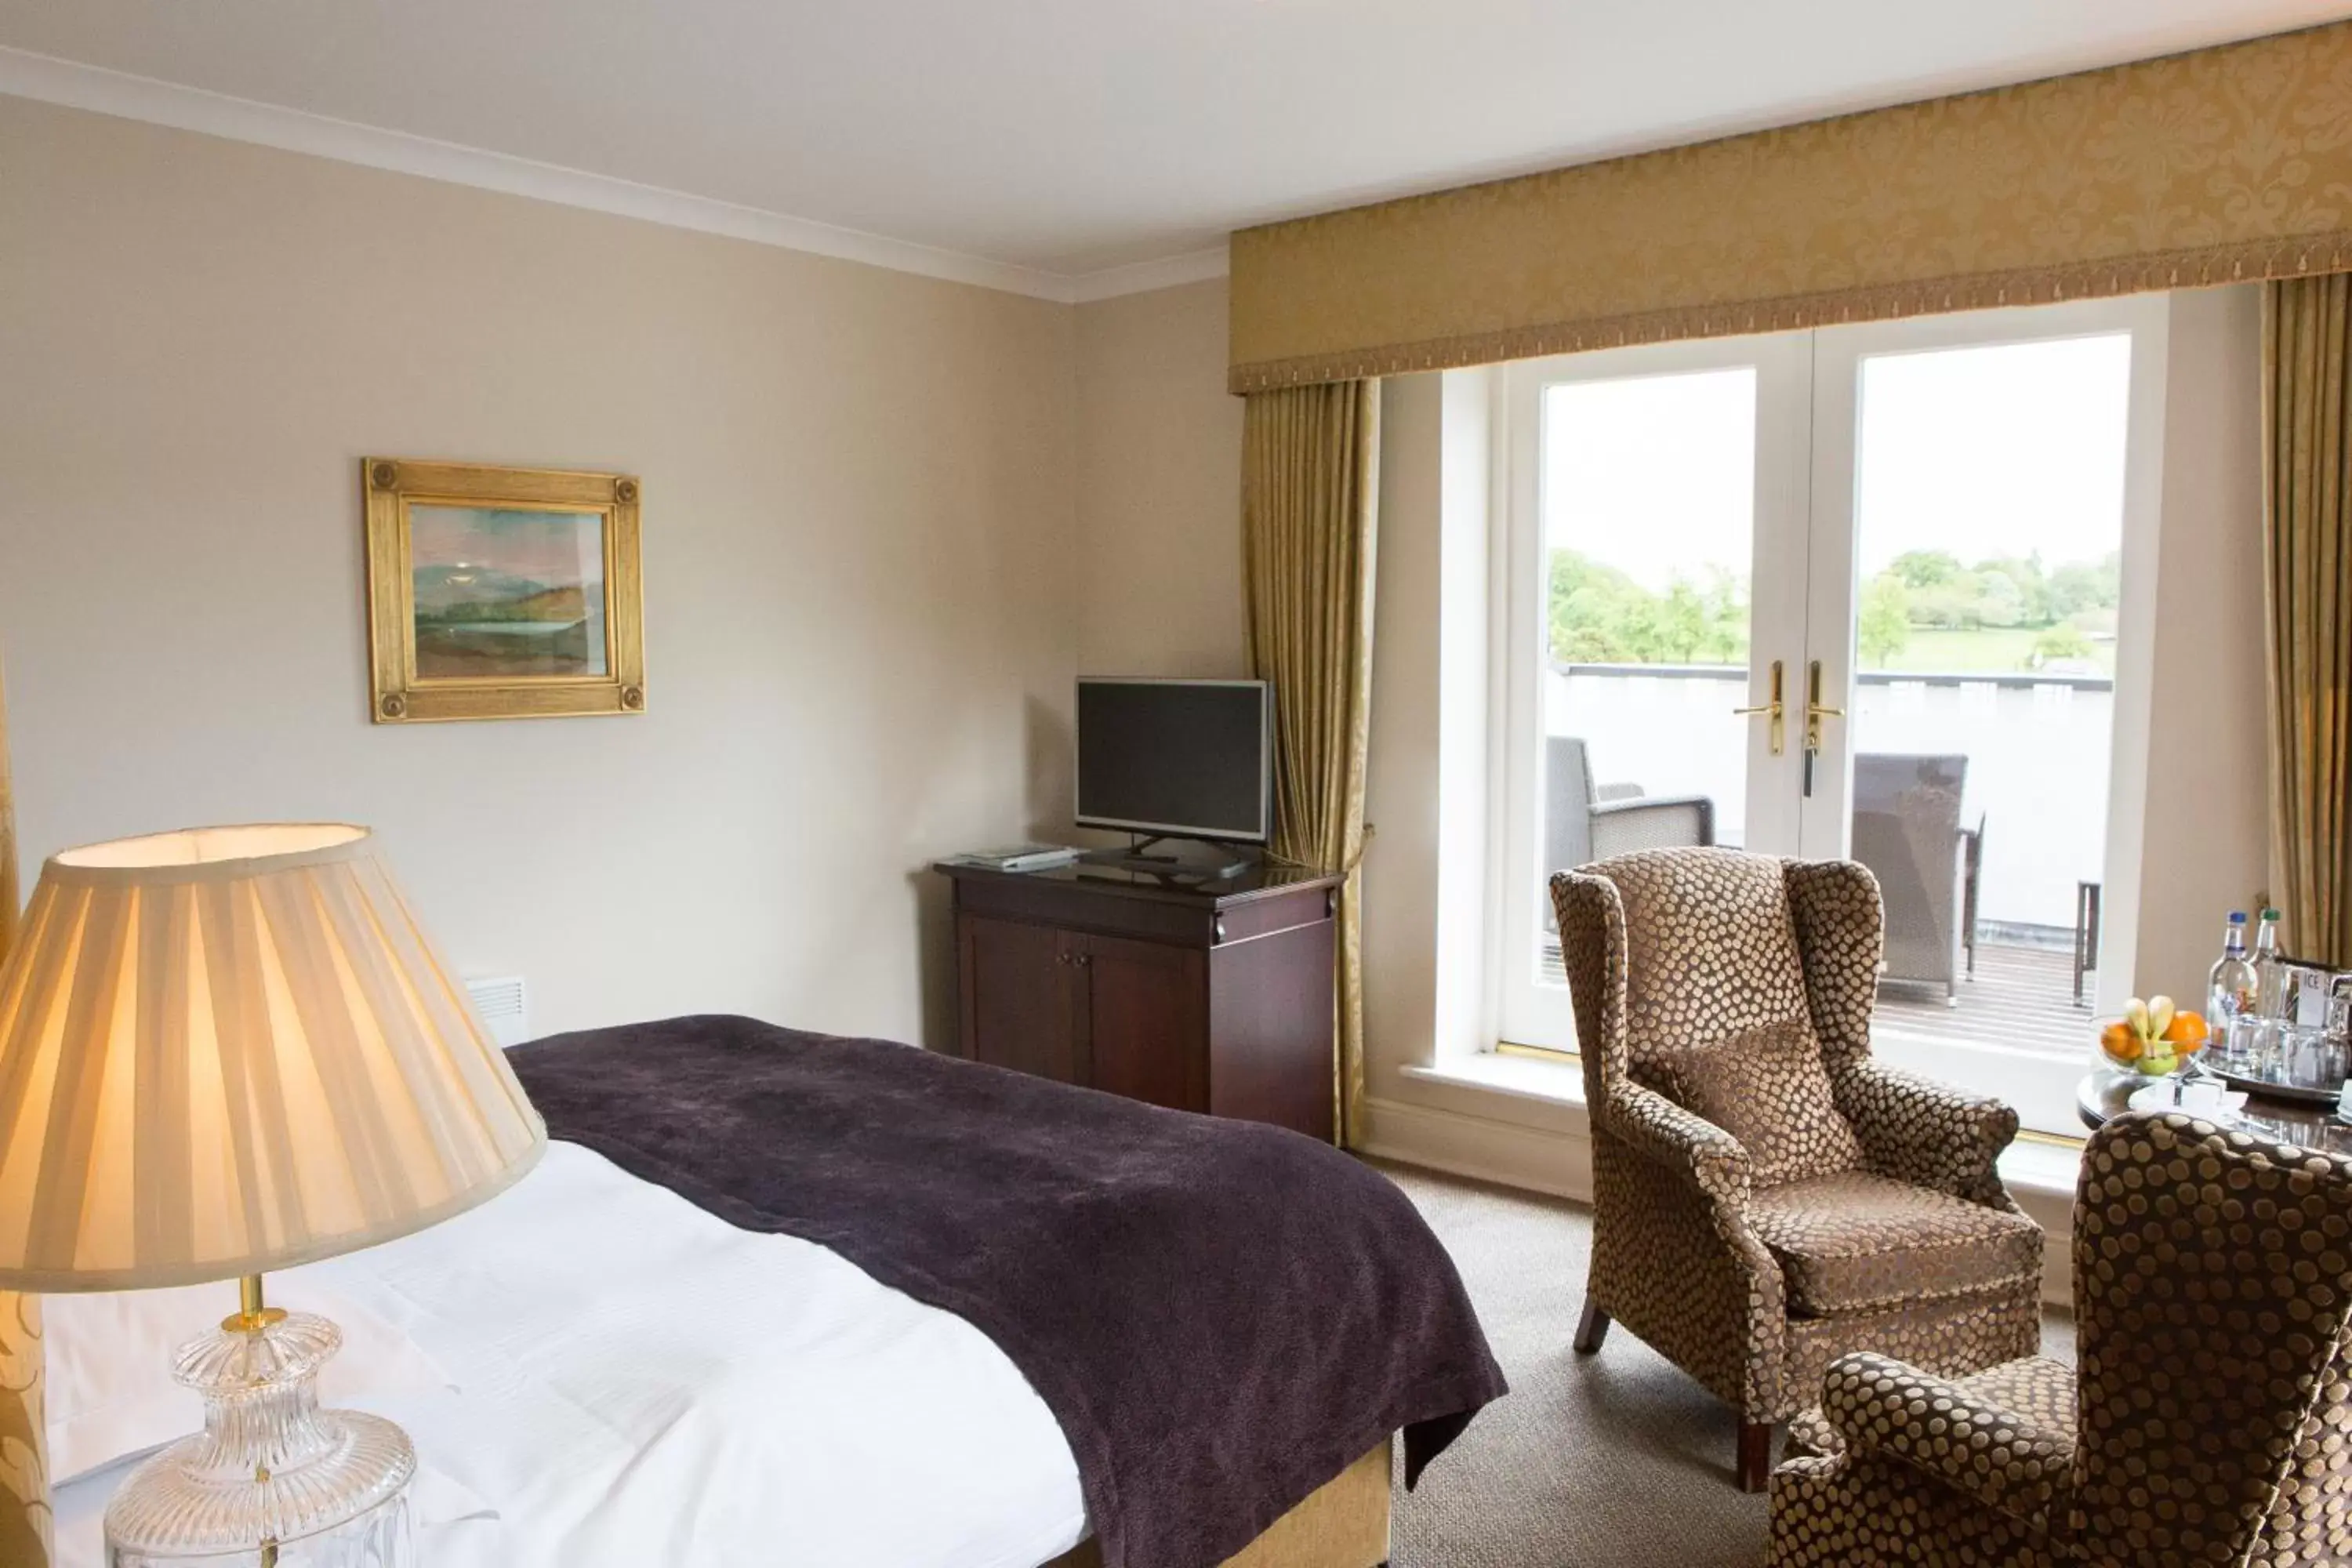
(2152, 1038)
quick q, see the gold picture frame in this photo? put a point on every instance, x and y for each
(501, 592)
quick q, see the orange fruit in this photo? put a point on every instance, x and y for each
(2187, 1031)
(2120, 1041)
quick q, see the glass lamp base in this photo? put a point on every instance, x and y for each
(377, 1539)
(272, 1481)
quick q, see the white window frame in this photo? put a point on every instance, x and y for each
(1525, 1014)
(1804, 520)
(2040, 1086)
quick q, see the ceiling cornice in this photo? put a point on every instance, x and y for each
(74, 85)
(1143, 276)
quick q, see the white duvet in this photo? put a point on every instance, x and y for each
(637, 1382)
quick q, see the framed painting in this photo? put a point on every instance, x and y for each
(501, 592)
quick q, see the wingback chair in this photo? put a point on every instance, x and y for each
(2208, 1419)
(1767, 1197)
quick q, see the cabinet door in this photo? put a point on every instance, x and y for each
(1015, 987)
(1145, 1019)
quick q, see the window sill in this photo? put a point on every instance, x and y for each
(1519, 1077)
(2043, 1170)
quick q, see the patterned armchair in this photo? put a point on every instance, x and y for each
(2210, 1418)
(1767, 1197)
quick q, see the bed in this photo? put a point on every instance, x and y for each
(774, 1297)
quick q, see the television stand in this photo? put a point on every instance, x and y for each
(1136, 858)
(1211, 996)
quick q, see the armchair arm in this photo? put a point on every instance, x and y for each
(1682, 1142)
(1927, 1133)
(2005, 1460)
(1651, 821)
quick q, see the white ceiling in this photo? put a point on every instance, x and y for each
(1061, 137)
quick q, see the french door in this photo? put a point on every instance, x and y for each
(1855, 591)
(1655, 536)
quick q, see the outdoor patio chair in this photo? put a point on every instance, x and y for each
(1766, 1197)
(1906, 829)
(1587, 821)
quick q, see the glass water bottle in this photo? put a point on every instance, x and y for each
(2231, 990)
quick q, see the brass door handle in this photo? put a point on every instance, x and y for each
(1775, 710)
(1814, 711)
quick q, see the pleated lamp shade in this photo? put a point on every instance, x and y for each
(228, 1050)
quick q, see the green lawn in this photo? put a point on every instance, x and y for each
(1995, 648)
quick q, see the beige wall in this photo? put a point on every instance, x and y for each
(2204, 834)
(1159, 492)
(858, 552)
(1403, 788)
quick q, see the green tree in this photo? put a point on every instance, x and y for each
(2019, 581)
(1591, 607)
(2080, 586)
(2065, 640)
(1999, 600)
(1725, 640)
(1681, 623)
(1955, 604)
(1926, 568)
(1598, 614)
(1884, 626)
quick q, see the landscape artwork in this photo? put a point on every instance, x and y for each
(498, 592)
(505, 593)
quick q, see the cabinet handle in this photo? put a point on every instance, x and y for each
(1220, 929)
(1083, 959)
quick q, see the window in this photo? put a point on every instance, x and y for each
(1918, 537)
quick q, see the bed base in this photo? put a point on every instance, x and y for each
(1342, 1524)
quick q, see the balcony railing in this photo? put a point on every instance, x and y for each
(2001, 679)
(2037, 746)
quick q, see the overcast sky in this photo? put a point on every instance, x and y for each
(1979, 451)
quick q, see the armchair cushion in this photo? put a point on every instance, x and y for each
(1769, 1088)
(2004, 1437)
(1929, 1133)
(1851, 1241)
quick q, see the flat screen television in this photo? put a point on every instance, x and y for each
(1186, 759)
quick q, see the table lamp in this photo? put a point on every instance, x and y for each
(225, 1051)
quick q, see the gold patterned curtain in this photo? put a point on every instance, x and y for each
(2220, 165)
(1310, 488)
(24, 1522)
(2307, 536)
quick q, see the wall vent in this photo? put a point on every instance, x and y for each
(499, 999)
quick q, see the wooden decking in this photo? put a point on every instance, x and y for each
(2022, 996)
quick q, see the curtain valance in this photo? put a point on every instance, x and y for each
(2227, 164)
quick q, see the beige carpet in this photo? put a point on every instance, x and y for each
(1614, 1460)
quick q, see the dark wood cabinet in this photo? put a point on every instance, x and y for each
(1014, 1002)
(1214, 997)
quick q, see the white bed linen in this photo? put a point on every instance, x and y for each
(639, 1382)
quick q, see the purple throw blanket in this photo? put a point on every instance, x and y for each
(1223, 1316)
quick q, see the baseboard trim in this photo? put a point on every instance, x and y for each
(1507, 1154)
(2054, 1213)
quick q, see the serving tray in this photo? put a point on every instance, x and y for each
(2302, 1094)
